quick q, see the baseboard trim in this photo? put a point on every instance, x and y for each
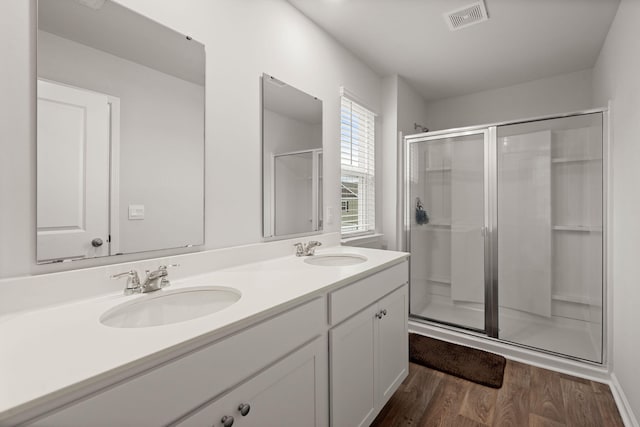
(628, 417)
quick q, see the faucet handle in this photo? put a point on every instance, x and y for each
(132, 275)
(164, 282)
(299, 248)
(311, 246)
(133, 281)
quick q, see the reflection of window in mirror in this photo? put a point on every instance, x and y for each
(357, 181)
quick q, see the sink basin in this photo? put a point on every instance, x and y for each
(166, 307)
(335, 260)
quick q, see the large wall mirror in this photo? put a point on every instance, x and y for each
(292, 160)
(120, 125)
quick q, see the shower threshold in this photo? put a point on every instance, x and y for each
(567, 338)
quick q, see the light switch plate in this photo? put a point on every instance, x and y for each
(136, 212)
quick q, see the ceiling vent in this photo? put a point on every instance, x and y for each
(466, 16)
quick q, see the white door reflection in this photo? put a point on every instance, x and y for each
(73, 172)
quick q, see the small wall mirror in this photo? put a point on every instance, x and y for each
(120, 149)
(292, 160)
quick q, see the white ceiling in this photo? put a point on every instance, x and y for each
(523, 40)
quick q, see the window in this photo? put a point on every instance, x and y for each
(357, 140)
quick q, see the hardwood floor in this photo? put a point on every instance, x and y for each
(530, 396)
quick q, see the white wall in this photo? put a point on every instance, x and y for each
(412, 108)
(616, 77)
(243, 39)
(17, 137)
(386, 157)
(558, 94)
(161, 141)
(402, 107)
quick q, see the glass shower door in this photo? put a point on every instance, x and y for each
(550, 234)
(446, 223)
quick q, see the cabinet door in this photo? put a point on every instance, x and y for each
(285, 394)
(393, 344)
(352, 364)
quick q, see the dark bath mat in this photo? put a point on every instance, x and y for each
(468, 363)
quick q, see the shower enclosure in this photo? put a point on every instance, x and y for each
(505, 228)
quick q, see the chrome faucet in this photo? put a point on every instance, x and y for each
(155, 280)
(133, 281)
(306, 250)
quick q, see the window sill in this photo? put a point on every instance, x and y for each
(361, 239)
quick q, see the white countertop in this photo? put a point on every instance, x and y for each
(48, 353)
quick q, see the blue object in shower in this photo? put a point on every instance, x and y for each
(421, 215)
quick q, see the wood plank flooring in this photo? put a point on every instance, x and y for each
(530, 396)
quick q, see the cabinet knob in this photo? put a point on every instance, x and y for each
(227, 421)
(379, 315)
(384, 312)
(244, 409)
(97, 242)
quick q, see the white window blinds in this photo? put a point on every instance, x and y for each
(357, 141)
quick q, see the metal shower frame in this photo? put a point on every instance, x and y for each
(489, 132)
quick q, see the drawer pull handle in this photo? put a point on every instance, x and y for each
(227, 421)
(244, 409)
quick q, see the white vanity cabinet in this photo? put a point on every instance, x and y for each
(333, 359)
(258, 363)
(369, 350)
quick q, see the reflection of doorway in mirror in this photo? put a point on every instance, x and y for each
(74, 159)
(296, 192)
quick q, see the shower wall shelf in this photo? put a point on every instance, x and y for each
(439, 280)
(581, 228)
(439, 224)
(574, 299)
(574, 159)
(442, 169)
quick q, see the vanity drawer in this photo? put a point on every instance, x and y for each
(289, 393)
(170, 391)
(354, 297)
